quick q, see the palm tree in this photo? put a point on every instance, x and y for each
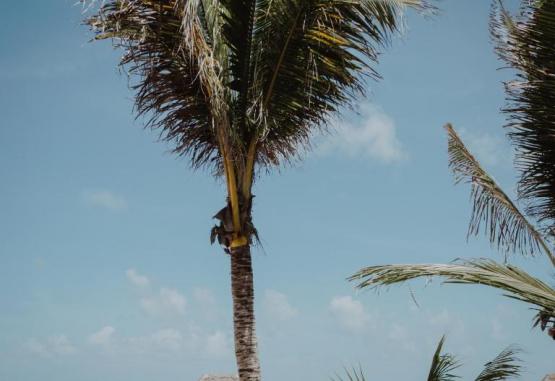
(503, 367)
(527, 44)
(508, 229)
(239, 86)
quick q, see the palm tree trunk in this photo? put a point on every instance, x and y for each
(242, 290)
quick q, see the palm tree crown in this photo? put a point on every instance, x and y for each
(239, 86)
(242, 73)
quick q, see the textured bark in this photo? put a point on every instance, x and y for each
(242, 290)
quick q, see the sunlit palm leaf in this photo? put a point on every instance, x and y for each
(308, 65)
(514, 282)
(442, 365)
(504, 367)
(255, 76)
(527, 44)
(505, 225)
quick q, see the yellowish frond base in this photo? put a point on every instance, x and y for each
(238, 241)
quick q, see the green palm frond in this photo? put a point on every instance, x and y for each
(352, 374)
(514, 282)
(503, 367)
(527, 44)
(175, 88)
(442, 365)
(251, 77)
(311, 60)
(505, 225)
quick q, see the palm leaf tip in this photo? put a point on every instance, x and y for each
(504, 366)
(443, 365)
(352, 374)
(506, 226)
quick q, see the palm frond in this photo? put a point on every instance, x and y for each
(310, 60)
(514, 282)
(252, 78)
(503, 367)
(504, 224)
(527, 44)
(169, 86)
(352, 374)
(442, 365)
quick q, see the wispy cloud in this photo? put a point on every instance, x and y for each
(216, 344)
(53, 346)
(165, 340)
(103, 337)
(490, 150)
(350, 313)
(399, 334)
(168, 301)
(162, 340)
(503, 314)
(277, 305)
(205, 303)
(168, 338)
(137, 279)
(167, 304)
(104, 199)
(373, 136)
(447, 322)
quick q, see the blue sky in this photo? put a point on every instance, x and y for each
(106, 271)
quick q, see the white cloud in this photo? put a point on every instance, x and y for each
(216, 344)
(503, 313)
(490, 150)
(102, 337)
(447, 322)
(277, 305)
(53, 346)
(350, 313)
(168, 340)
(105, 199)
(497, 330)
(167, 301)
(150, 305)
(373, 137)
(61, 345)
(399, 334)
(173, 299)
(206, 303)
(204, 297)
(137, 279)
(441, 319)
(36, 347)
